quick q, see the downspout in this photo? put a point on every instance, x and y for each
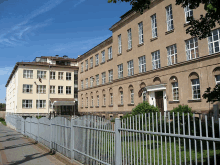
(49, 91)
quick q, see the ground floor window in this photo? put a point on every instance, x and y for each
(26, 103)
(195, 89)
(41, 103)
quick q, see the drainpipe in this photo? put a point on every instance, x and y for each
(49, 91)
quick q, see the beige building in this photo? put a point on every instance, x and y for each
(149, 57)
(27, 95)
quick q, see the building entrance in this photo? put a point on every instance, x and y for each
(159, 101)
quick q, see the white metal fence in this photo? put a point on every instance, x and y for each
(143, 139)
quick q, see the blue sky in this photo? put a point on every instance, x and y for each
(49, 27)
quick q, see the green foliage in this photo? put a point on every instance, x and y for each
(112, 120)
(182, 109)
(212, 96)
(2, 106)
(38, 117)
(2, 120)
(144, 107)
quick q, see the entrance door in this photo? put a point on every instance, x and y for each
(159, 101)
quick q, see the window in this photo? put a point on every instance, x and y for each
(120, 71)
(87, 65)
(214, 41)
(27, 88)
(195, 89)
(129, 39)
(154, 25)
(68, 76)
(217, 79)
(110, 53)
(92, 101)
(175, 90)
(60, 89)
(86, 82)
(41, 89)
(60, 75)
(132, 96)
(169, 14)
(142, 64)
(51, 105)
(172, 54)
(144, 96)
(82, 103)
(111, 98)
(82, 84)
(68, 89)
(41, 74)
(91, 81)
(119, 44)
(110, 75)
(188, 13)
(91, 62)
(103, 77)
(103, 56)
(140, 32)
(130, 68)
(96, 59)
(52, 75)
(27, 73)
(26, 103)
(52, 89)
(192, 49)
(81, 66)
(97, 79)
(121, 97)
(98, 100)
(87, 101)
(104, 100)
(41, 103)
(156, 59)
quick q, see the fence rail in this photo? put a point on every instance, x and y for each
(142, 139)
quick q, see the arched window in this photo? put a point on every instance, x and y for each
(121, 96)
(104, 97)
(175, 88)
(157, 81)
(216, 73)
(194, 77)
(111, 96)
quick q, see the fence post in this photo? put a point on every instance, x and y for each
(72, 140)
(117, 142)
(51, 134)
(216, 113)
(38, 130)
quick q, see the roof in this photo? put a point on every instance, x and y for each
(59, 58)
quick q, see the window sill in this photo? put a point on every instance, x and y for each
(90, 68)
(192, 101)
(81, 107)
(139, 45)
(86, 70)
(186, 24)
(97, 106)
(120, 105)
(128, 50)
(102, 63)
(86, 107)
(96, 65)
(103, 106)
(52, 79)
(110, 106)
(132, 104)
(91, 106)
(109, 59)
(168, 32)
(81, 72)
(68, 93)
(119, 54)
(152, 39)
(174, 102)
(26, 93)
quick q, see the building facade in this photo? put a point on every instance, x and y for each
(149, 57)
(34, 87)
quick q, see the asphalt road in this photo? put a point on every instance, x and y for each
(15, 150)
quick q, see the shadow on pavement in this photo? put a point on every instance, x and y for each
(10, 139)
(9, 135)
(15, 146)
(28, 158)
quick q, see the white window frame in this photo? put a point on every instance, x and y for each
(91, 101)
(60, 75)
(121, 97)
(140, 33)
(110, 52)
(82, 84)
(154, 25)
(175, 91)
(27, 73)
(52, 89)
(156, 59)
(97, 79)
(86, 82)
(120, 71)
(41, 74)
(42, 104)
(103, 56)
(132, 96)
(60, 89)
(68, 75)
(142, 64)
(110, 75)
(82, 102)
(97, 59)
(51, 105)
(27, 104)
(111, 98)
(169, 14)
(41, 89)
(87, 65)
(91, 62)
(91, 81)
(103, 77)
(217, 79)
(119, 44)
(192, 50)
(98, 100)
(129, 39)
(214, 41)
(27, 88)
(196, 88)
(68, 90)
(188, 12)
(171, 54)
(130, 68)
(104, 100)
(87, 101)
(52, 75)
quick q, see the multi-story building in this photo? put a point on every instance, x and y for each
(149, 57)
(35, 87)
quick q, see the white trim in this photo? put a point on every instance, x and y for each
(159, 87)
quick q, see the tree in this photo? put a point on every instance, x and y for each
(214, 95)
(201, 27)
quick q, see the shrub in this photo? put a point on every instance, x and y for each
(144, 107)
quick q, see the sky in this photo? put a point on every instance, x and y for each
(30, 29)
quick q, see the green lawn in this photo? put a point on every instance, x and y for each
(2, 120)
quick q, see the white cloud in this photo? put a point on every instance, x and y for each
(5, 71)
(79, 2)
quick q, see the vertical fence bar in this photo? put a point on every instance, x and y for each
(170, 139)
(190, 154)
(143, 137)
(207, 142)
(134, 141)
(117, 142)
(165, 131)
(51, 131)
(213, 135)
(131, 142)
(136, 138)
(184, 140)
(123, 143)
(200, 127)
(158, 162)
(150, 138)
(139, 136)
(195, 142)
(174, 139)
(146, 136)
(153, 137)
(161, 139)
(129, 160)
(72, 139)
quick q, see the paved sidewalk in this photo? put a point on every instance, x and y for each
(15, 150)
